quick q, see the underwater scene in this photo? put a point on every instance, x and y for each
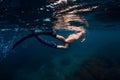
(59, 39)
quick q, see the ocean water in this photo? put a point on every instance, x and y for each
(97, 58)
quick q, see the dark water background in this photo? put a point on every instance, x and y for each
(97, 58)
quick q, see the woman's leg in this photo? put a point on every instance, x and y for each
(63, 46)
(60, 38)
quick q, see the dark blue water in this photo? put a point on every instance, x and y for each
(32, 60)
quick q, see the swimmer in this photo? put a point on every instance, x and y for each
(79, 33)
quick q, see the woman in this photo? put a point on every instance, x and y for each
(79, 33)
